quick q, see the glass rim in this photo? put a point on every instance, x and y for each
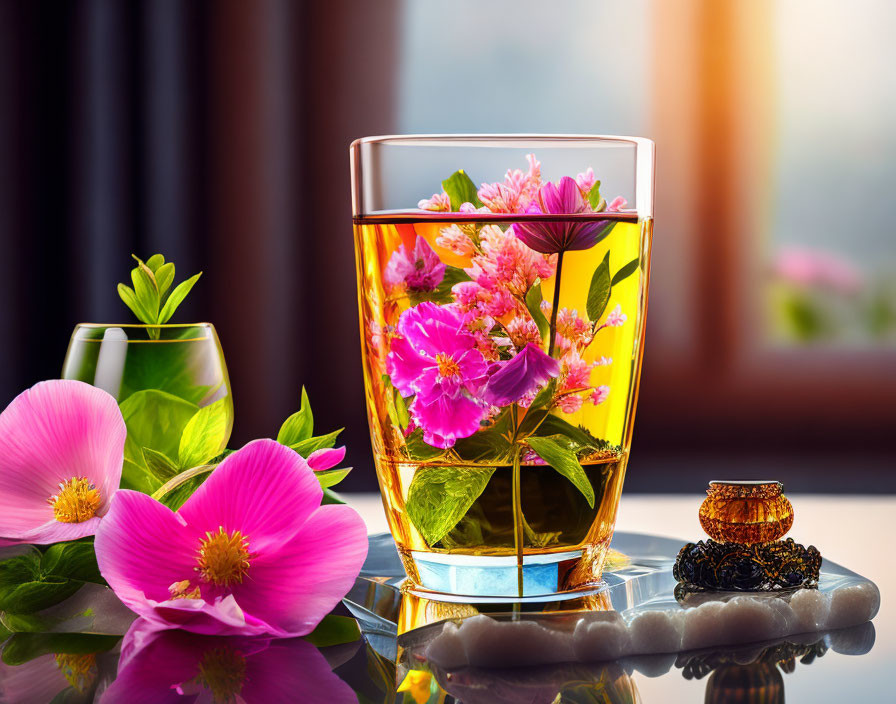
(362, 149)
(476, 138)
(144, 326)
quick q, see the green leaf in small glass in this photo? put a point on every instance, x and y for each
(439, 497)
(176, 297)
(155, 262)
(299, 425)
(126, 293)
(155, 419)
(334, 630)
(594, 198)
(164, 278)
(599, 291)
(565, 462)
(625, 271)
(534, 299)
(461, 189)
(159, 465)
(205, 435)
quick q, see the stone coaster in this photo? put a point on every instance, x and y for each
(633, 613)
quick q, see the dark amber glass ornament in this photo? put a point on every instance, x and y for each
(746, 512)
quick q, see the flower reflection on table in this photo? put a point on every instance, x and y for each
(176, 666)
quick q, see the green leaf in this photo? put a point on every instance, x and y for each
(126, 293)
(594, 198)
(599, 291)
(33, 582)
(176, 297)
(334, 630)
(299, 425)
(22, 647)
(625, 271)
(318, 442)
(154, 262)
(554, 425)
(159, 464)
(565, 462)
(155, 419)
(418, 449)
(331, 477)
(144, 282)
(164, 278)
(206, 434)
(73, 560)
(461, 189)
(439, 497)
(179, 488)
(543, 397)
(490, 444)
(331, 497)
(534, 298)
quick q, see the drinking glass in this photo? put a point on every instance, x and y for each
(502, 285)
(161, 376)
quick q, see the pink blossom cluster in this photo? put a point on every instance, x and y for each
(517, 190)
(814, 267)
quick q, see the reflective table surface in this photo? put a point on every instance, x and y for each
(49, 661)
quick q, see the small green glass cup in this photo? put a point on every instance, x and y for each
(161, 376)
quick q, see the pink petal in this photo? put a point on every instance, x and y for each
(222, 617)
(142, 548)
(265, 490)
(293, 589)
(326, 458)
(50, 433)
(445, 419)
(289, 666)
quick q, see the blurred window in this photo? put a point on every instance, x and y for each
(832, 244)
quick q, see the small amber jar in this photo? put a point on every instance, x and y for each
(746, 512)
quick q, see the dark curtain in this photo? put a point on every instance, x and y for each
(217, 133)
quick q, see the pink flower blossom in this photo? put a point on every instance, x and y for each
(252, 551)
(516, 192)
(523, 331)
(506, 262)
(436, 360)
(615, 318)
(617, 204)
(440, 202)
(470, 208)
(585, 181)
(569, 403)
(456, 240)
(603, 361)
(599, 395)
(574, 332)
(61, 449)
(419, 270)
(520, 376)
(810, 267)
(564, 198)
(158, 667)
(575, 372)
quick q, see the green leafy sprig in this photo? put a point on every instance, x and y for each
(152, 299)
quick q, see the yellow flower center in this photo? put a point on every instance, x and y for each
(222, 672)
(223, 557)
(77, 501)
(79, 670)
(447, 365)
